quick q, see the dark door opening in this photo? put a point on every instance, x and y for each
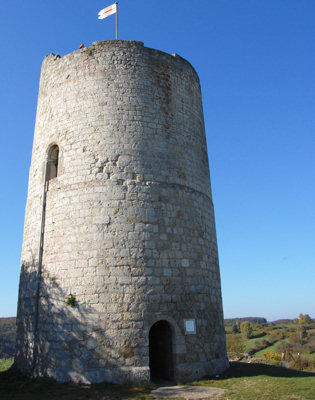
(160, 351)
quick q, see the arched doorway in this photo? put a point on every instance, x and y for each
(160, 351)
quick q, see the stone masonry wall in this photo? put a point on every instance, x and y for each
(129, 222)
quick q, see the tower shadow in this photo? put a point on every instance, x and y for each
(70, 343)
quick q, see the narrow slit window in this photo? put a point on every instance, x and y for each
(52, 167)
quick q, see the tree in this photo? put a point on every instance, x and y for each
(236, 328)
(234, 345)
(305, 319)
(302, 334)
(246, 329)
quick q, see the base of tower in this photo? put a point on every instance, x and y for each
(195, 371)
(183, 373)
(112, 375)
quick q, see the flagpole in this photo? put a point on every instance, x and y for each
(116, 20)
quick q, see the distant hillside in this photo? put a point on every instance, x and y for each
(253, 320)
(284, 321)
(7, 337)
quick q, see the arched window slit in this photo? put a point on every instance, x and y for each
(52, 162)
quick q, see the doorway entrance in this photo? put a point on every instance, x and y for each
(160, 351)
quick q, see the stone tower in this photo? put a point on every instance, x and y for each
(120, 277)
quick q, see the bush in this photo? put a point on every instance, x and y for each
(273, 356)
(309, 348)
(283, 347)
(302, 365)
(305, 319)
(256, 346)
(246, 329)
(236, 328)
(234, 345)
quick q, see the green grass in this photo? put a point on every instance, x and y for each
(271, 348)
(17, 387)
(310, 357)
(304, 356)
(258, 381)
(5, 364)
(271, 335)
(243, 381)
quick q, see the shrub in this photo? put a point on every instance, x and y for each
(305, 319)
(246, 329)
(71, 300)
(89, 51)
(234, 345)
(302, 364)
(273, 356)
(309, 347)
(256, 346)
(236, 328)
(283, 347)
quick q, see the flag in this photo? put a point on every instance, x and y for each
(106, 12)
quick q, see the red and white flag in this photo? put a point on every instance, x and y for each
(106, 12)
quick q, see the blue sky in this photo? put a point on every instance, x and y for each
(256, 63)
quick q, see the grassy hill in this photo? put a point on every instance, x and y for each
(272, 339)
(253, 320)
(7, 337)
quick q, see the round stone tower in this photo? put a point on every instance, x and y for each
(120, 277)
